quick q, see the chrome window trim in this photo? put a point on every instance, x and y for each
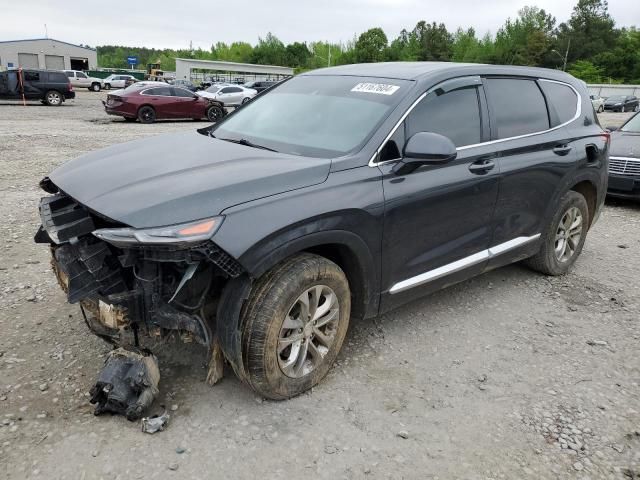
(152, 95)
(461, 264)
(372, 162)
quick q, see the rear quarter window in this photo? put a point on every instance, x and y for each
(58, 77)
(562, 101)
(517, 105)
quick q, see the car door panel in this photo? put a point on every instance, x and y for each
(437, 226)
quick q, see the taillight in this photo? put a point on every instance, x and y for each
(69, 87)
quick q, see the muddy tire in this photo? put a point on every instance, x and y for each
(293, 325)
(564, 238)
(146, 114)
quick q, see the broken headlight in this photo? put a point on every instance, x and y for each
(185, 233)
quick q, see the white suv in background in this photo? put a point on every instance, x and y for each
(598, 103)
(116, 81)
(82, 80)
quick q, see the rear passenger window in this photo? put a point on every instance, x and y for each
(56, 77)
(32, 76)
(454, 114)
(160, 91)
(562, 101)
(518, 107)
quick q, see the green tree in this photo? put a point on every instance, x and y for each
(371, 46)
(431, 42)
(587, 71)
(269, 51)
(527, 39)
(297, 54)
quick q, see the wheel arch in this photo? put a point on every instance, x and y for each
(590, 192)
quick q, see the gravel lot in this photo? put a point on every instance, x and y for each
(510, 375)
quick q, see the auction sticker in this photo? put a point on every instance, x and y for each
(379, 88)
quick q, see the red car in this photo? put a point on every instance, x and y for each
(151, 101)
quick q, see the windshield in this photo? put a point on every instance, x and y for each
(316, 115)
(616, 98)
(632, 125)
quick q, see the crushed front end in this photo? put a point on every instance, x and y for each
(129, 283)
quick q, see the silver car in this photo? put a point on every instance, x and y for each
(230, 95)
(116, 81)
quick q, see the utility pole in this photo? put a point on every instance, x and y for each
(566, 55)
(329, 56)
(46, 32)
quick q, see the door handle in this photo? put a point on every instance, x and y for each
(562, 150)
(482, 166)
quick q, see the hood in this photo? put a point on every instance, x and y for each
(625, 144)
(177, 178)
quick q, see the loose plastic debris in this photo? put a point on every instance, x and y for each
(156, 423)
(128, 383)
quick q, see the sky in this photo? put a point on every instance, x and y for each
(172, 24)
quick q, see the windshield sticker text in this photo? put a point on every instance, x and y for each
(379, 88)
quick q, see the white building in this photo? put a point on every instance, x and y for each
(228, 71)
(46, 53)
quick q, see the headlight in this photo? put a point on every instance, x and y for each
(182, 234)
(619, 103)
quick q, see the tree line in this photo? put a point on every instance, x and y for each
(588, 45)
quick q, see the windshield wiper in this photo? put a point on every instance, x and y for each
(247, 143)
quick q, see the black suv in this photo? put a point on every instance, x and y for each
(340, 193)
(50, 87)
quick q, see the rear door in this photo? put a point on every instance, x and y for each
(34, 86)
(438, 218)
(162, 100)
(536, 154)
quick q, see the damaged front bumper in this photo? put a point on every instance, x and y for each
(127, 290)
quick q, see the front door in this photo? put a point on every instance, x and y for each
(437, 226)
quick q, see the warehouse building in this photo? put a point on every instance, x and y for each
(46, 53)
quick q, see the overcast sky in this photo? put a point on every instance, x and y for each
(173, 24)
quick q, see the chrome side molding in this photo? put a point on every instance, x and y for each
(461, 264)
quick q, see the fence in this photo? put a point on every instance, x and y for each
(608, 89)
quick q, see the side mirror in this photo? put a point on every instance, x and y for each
(425, 148)
(611, 129)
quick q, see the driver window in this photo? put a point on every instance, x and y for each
(454, 114)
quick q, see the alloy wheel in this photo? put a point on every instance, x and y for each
(568, 234)
(308, 331)
(53, 98)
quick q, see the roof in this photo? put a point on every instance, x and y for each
(415, 70)
(50, 39)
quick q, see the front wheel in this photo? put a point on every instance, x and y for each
(107, 86)
(636, 108)
(622, 109)
(293, 325)
(214, 114)
(563, 241)
(147, 114)
(600, 109)
(245, 100)
(53, 98)
(95, 87)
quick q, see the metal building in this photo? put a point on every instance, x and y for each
(46, 53)
(190, 69)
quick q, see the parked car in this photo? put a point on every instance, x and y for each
(230, 95)
(598, 103)
(118, 81)
(259, 86)
(151, 101)
(343, 193)
(49, 86)
(185, 84)
(80, 79)
(624, 162)
(621, 103)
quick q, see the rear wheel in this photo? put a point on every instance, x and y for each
(294, 323)
(636, 108)
(622, 109)
(564, 238)
(600, 109)
(214, 114)
(147, 114)
(245, 100)
(107, 86)
(53, 98)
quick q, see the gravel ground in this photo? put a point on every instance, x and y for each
(509, 375)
